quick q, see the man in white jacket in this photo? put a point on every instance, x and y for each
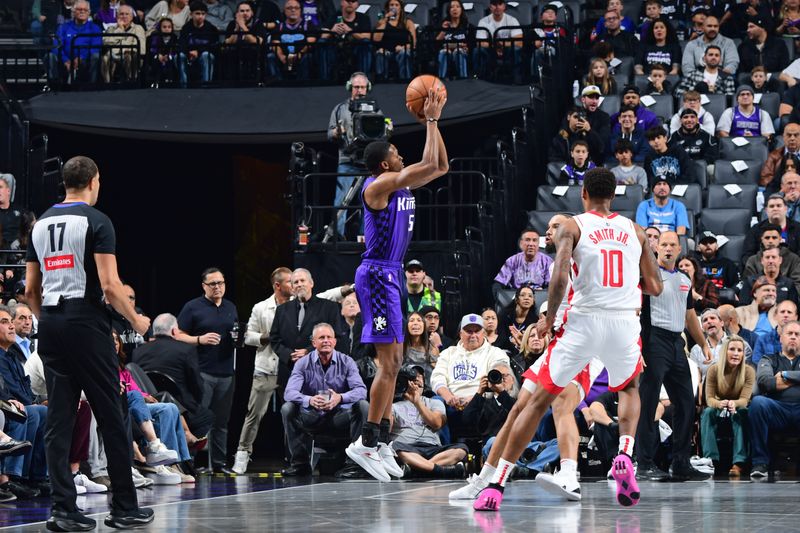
(459, 369)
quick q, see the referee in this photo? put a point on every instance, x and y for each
(70, 265)
(664, 318)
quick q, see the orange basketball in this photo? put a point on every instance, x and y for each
(417, 92)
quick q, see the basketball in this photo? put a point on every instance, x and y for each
(417, 92)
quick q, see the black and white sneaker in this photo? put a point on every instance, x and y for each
(73, 521)
(138, 517)
(759, 471)
(560, 484)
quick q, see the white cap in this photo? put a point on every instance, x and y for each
(471, 318)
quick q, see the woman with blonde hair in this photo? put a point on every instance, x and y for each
(532, 345)
(729, 385)
(600, 76)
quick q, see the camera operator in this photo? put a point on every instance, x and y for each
(415, 421)
(347, 128)
(496, 395)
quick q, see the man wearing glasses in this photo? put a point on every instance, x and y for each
(208, 322)
(77, 46)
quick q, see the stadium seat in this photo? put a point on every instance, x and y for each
(720, 198)
(770, 102)
(522, 11)
(571, 201)
(717, 103)
(725, 173)
(554, 171)
(733, 248)
(539, 297)
(625, 67)
(622, 79)
(629, 200)
(690, 231)
(699, 170)
(628, 214)
(692, 198)
(725, 221)
(503, 299)
(538, 220)
(756, 149)
(610, 104)
(662, 107)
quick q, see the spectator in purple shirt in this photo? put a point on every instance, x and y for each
(325, 393)
(529, 267)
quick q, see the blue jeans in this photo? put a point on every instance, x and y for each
(547, 453)
(458, 59)
(485, 57)
(384, 58)
(167, 423)
(362, 51)
(302, 67)
(205, 60)
(343, 184)
(33, 464)
(767, 414)
(138, 408)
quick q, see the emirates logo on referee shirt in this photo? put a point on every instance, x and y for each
(60, 261)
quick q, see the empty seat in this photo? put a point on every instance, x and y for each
(538, 220)
(755, 149)
(699, 170)
(720, 198)
(629, 200)
(733, 248)
(692, 198)
(610, 104)
(662, 106)
(725, 173)
(770, 102)
(628, 214)
(717, 103)
(523, 12)
(725, 221)
(690, 231)
(554, 171)
(570, 201)
(503, 299)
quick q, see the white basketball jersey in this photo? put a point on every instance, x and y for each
(606, 264)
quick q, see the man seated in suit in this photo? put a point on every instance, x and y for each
(325, 393)
(178, 360)
(294, 321)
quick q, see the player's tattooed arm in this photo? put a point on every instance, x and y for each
(648, 267)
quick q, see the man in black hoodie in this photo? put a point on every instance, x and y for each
(695, 141)
(668, 162)
(197, 45)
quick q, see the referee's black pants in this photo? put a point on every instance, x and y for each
(78, 354)
(666, 364)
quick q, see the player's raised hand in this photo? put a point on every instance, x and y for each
(543, 328)
(434, 104)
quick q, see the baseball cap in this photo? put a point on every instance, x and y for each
(469, 319)
(744, 88)
(550, 7)
(591, 90)
(630, 89)
(414, 263)
(707, 236)
(761, 282)
(425, 309)
(688, 111)
(758, 21)
(543, 308)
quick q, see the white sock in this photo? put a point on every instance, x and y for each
(502, 473)
(151, 446)
(626, 444)
(569, 466)
(487, 472)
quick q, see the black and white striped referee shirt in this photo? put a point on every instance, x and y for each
(63, 242)
(668, 310)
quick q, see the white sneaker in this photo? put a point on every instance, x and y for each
(162, 476)
(158, 454)
(475, 484)
(185, 478)
(389, 462)
(369, 459)
(240, 462)
(560, 484)
(79, 489)
(89, 486)
(139, 481)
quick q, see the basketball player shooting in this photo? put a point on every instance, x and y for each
(388, 226)
(611, 263)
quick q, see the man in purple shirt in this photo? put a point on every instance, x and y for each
(529, 267)
(325, 393)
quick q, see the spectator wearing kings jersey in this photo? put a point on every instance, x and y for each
(745, 119)
(528, 267)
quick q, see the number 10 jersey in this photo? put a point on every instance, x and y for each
(606, 269)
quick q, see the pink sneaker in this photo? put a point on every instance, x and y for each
(489, 499)
(625, 476)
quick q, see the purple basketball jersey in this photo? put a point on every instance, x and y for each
(387, 232)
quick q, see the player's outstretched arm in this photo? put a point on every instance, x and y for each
(648, 267)
(566, 238)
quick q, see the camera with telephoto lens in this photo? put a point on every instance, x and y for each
(494, 376)
(724, 413)
(369, 124)
(406, 375)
